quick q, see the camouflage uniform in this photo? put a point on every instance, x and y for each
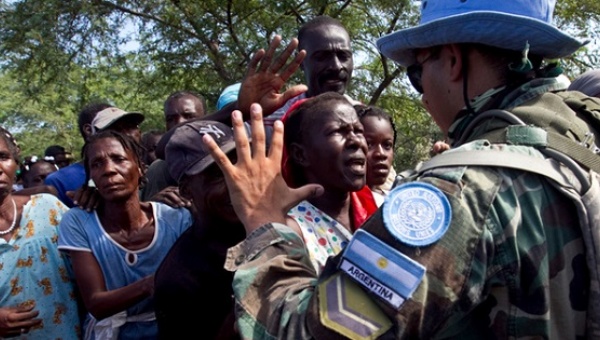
(511, 265)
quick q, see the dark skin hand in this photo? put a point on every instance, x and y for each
(17, 320)
(265, 77)
(171, 197)
(88, 198)
(41, 189)
(100, 301)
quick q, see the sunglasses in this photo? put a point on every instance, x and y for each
(415, 73)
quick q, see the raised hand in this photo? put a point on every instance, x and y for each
(266, 76)
(257, 189)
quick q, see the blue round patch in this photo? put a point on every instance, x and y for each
(417, 213)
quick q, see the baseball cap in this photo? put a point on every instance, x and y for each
(229, 94)
(54, 150)
(109, 116)
(587, 83)
(185, 152)
(506, 24)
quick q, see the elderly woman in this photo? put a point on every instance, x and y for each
(116, 248)
(37, 298)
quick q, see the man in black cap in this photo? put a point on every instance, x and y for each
(59, 155)
(193, 273)
(495, 238)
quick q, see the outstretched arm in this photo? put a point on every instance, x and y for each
(275, 262)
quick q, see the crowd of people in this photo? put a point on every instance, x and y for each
(222, 226)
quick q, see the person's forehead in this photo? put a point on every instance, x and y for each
(337, 113)
(183, 104)
(42, 167)
(326, 37)
(104, 145)
(3, 145)
(376, 124)
(153, 139)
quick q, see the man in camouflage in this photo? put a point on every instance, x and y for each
(475, 251)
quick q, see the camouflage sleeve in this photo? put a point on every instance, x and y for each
(273, 283)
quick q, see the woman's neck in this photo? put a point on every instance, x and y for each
(335, 204)
(125, 215)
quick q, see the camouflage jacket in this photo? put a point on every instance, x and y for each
(510, 265)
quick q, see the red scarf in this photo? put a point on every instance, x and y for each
(363, 203)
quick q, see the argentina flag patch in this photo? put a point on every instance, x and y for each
(381, 269)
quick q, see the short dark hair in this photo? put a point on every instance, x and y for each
(502, 60)
(88, 113)
(54, 150)
(128, 143)
(179, 94)
(321, 20)
(374, 111)
(151, 133)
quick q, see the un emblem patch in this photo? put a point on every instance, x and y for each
(417, 213)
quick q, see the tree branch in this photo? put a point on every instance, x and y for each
(123, 9)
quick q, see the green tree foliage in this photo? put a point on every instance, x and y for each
(59, 55)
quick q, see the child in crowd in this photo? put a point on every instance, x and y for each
(380, 134)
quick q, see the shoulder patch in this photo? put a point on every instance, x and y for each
(347, 309)
(382, 270)
(417, 213)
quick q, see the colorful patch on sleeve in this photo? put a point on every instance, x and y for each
(381, 269)
(347, 309)
(416, 213)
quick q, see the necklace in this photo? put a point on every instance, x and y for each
(14, 222)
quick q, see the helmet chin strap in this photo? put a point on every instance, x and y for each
(465, 65)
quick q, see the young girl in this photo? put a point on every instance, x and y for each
(380, 134)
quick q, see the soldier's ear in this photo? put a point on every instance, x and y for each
(455, 55)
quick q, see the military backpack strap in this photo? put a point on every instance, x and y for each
(543, 139)
(495, 158)
(586, 107)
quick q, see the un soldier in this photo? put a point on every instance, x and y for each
(472, 251)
